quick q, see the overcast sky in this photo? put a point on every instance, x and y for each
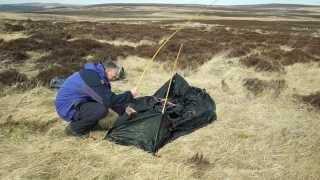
(211, 2)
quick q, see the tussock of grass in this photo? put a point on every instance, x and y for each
(13, 27)
(254, 137)
(200, 163)
(312, 99)
(257, 87)
(11, 77)
(69, 44)
(269, 136)
(261, 63)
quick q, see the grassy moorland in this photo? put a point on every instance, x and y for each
(263, 75)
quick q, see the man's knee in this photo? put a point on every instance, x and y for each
(93, 111)
(88, 116)
(100, 112)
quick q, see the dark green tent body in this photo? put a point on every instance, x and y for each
(189, 109)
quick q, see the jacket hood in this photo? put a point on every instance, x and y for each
(99, 68)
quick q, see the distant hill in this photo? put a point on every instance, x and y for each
(146, 4)
(29, 7)
(261, 6)
(275, 5)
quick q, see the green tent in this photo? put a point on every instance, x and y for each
(189, 108)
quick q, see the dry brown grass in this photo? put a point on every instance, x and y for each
(72, 42)
(11, 77)
(312, 99)
(261, 63)
(13, 27)
(46, 75)
(263, 133)
(254, 137)
(276, 59)
(200, 163)
(258, 87)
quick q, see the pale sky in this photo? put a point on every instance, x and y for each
(210, 2)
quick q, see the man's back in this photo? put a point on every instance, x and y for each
(71, 93)
(86, 97)
(89, 84)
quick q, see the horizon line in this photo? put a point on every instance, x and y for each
(248, 4)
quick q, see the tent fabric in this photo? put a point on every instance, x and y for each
(190, 108)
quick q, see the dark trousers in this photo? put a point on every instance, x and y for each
(87, 117)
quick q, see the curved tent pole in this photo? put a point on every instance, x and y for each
(166, 98)
(170, 83)
(162, 45)
(154, 57)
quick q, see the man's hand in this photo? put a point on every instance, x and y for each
(168, 102)
(130, 111)
(134, 92)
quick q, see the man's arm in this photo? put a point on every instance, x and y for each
(101, 93)
(120, 102)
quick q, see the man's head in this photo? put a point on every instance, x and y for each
(113, 72)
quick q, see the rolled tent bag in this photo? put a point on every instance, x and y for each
(188, 108)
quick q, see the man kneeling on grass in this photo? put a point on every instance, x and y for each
(85, 98)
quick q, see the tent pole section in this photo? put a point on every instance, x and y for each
(154, 57)
(170, 83)
(167, 95)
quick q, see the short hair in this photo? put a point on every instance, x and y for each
(110, 65)
(121, 74)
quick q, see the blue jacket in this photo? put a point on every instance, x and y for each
(89, 84)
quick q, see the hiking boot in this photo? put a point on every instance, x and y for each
(107, 122)
(70, 132)
(102, 124)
